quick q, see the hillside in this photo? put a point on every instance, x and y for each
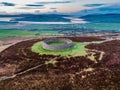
(43, 18)
(102, 18)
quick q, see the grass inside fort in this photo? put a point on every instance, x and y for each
(58, 43)
(78, 50)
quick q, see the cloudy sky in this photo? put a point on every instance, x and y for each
(45, 6)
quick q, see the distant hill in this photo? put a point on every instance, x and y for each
(103, 18)
(43, 18)
(108, 9)
(16, 15)
(95, 18)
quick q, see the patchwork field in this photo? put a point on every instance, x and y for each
(16, 33)
(25, 33)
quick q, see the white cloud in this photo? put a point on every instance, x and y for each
(76, 5)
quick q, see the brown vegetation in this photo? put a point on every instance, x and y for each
(67, 73)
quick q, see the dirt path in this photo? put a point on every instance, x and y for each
(3, 47)
(4, 44)
(53, 61)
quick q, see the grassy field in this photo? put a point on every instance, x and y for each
(78, 50)
(16, 33)
(20, 33)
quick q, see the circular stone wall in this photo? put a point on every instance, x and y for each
(67, 43)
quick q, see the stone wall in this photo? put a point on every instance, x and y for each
(67, 44)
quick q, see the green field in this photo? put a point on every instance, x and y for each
(25, 33)
(78, 50)
(16, 33)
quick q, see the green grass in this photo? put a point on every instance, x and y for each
(16, 33)
(78, 50)
(49, 32)
(21, 33)
(54, 43)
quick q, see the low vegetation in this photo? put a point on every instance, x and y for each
(61, 72)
